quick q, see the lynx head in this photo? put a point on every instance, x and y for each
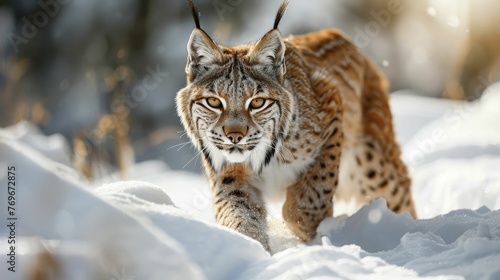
(235, 107)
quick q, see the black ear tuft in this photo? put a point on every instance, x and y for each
(280, 13)
(195, 13)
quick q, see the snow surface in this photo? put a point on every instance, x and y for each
(159, 225)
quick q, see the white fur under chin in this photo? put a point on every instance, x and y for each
(236, 157)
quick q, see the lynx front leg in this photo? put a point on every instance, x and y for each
(310, 199)
(238, 205)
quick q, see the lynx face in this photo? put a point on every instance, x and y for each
(235, 107)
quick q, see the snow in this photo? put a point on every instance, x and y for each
(53, 205)
(141, 190)
(455, 158)
(159, 224)
(463, 242)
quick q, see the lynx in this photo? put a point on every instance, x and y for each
(303, 119)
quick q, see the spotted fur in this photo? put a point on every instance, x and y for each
(324, 129)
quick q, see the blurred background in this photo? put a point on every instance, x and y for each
(104, 74)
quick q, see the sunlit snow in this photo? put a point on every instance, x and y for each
(160, 225)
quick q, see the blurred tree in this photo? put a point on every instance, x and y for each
(477, 65)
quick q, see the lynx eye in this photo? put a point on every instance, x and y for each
(214, 102)
(257, 103)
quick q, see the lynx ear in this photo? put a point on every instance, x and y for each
(269, 53)
(203, 54)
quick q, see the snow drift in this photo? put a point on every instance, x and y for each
(161, 226)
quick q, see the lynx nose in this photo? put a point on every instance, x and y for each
(235, 133)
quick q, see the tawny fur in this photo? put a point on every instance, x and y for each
(326, 131)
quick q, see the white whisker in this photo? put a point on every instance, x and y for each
(183, 144)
